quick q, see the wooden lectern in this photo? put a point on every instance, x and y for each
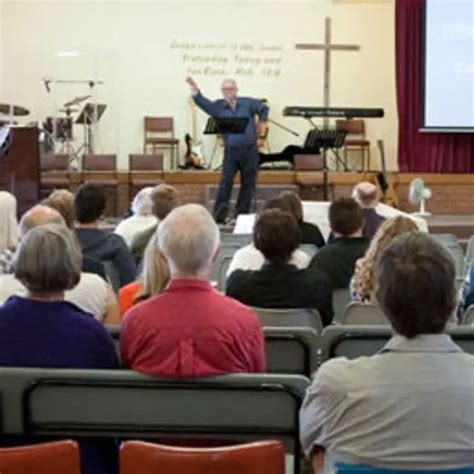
(20, 166)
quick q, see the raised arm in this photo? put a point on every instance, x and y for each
(202, 102)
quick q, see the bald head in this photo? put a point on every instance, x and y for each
(366, 194)
(39, 215)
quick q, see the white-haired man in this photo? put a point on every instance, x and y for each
(191, 330)
(240, 150)
(368, 197)
(92, 293)
(142, 218)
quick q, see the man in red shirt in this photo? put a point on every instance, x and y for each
(191, 330)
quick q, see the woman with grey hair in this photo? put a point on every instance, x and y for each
(8, 230)
(142, 218)
(42, 330)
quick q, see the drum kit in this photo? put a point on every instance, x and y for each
(56, 132)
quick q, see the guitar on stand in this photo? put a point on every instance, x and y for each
(386, 186)
(193, 157)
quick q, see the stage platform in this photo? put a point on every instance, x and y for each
(453, 194)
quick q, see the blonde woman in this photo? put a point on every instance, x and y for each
(153, 279)
(364, 283)
(8, 230)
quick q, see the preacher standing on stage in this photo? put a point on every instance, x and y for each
(240, 150)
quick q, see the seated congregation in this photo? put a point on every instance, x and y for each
(64, 279)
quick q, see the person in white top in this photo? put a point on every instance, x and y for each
(92, 293)
(8, 230)
(142, 218)
(250, 258)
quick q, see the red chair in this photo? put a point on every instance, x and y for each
(144, 170)
(54, 172)
(59, 457)
(158, 133)
(266, 457)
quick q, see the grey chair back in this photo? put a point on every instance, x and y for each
(470, 253)
(112, 275)
(451, 244)
(468, 318)
(353, 341)
(291, 350)
(117, 403)
(222, 262)
(463, 336)
(341, 297)
(357, 341)
(364, 314)
(294, 317)
(457, 254)
(240, 239)
(443, 239)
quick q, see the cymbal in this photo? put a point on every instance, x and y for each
(76, 101)
(16, 109)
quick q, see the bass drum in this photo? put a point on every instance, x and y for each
(63, 128)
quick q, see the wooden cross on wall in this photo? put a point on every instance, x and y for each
(327, 47)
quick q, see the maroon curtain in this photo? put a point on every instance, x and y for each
(422, 152)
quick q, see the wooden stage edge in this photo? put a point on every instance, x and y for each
(334, 178)
(452, 193)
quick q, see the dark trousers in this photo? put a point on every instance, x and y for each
(244, 159)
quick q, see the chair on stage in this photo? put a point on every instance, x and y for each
(263, 457)
(54, 172)
(356, 140)
(144, 170)
(316, 180)
(158, 134)
(101, 169)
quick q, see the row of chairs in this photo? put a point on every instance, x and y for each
(144, 170)
(60, 457)
(125, 404)
(301, 350)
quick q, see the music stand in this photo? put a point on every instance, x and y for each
(86, 118)
(226, 125)
(327, 139)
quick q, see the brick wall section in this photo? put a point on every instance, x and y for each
(446, 199)
(452, 194)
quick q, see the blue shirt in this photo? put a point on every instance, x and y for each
(245, 107)
(59, 335)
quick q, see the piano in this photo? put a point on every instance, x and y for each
(331, 112)
(20, 165)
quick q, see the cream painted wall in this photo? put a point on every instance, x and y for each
(129, 45)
